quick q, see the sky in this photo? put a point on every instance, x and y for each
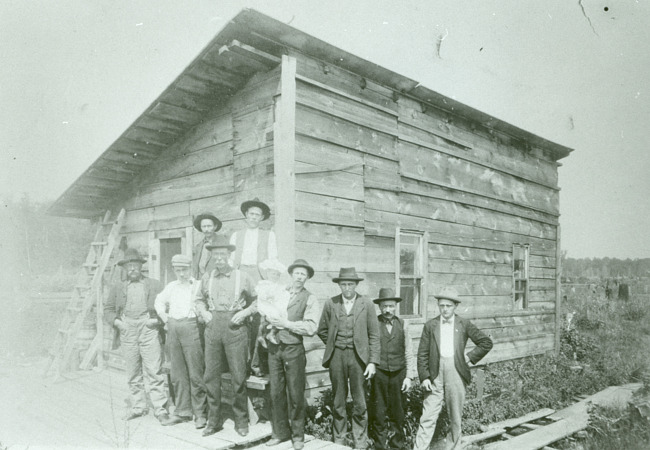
(75, 74)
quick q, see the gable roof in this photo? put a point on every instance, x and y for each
(249, 43)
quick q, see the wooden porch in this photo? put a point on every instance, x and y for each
(84, 410)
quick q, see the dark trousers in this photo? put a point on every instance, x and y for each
(187, 367)
(225, 341)
(346, 367)
(287, 376)
(387, 403)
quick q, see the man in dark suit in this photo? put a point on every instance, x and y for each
(395, 371)
(443, 367)
(349, 329)
(130, 310)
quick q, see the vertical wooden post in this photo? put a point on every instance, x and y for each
(558, 288)
(284, 151)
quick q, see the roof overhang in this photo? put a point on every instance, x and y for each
(251, 42)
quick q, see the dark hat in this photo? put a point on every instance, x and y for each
(448, 293)
(200, 217)
(130, 255)
(301, 263)
(266, 211)
(386, 294)
(347, 274)
(220, 241)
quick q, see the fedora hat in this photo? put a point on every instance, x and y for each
(301, 263)
(347, 274)
(220, 241)
(448, 293)
(200, 217)
(386, 294)
(266, 211)
(131, 255)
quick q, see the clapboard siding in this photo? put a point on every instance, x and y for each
(426, 164)
(444, 210)
(486, 146)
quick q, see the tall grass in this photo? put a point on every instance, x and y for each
(605, 344)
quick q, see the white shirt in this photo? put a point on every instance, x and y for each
(179, 298)
(348, 304)
(249, 252)
(446, 338)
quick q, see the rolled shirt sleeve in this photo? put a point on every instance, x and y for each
(307, 326)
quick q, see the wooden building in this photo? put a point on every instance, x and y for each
(361, 166)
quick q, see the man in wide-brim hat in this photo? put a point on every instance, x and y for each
(253, 245)
(287, 358)
(130, 310)
(443, 367)
(224, 300)
(395, 371)
(349, 329)
(175, 306)
(209, 225)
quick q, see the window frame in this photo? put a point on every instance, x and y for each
(419, 307)
(525, 300)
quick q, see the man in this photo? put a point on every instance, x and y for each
(443, 367)
(287, 358)
(395, 371)
(175, 307)
(202, 262)
(130, 310)
(253, 246)
(224, 301)
(349, 329)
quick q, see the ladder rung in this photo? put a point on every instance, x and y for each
(99, 243)
(65, 330)
(91, 265)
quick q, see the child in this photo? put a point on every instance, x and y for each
(272, 299)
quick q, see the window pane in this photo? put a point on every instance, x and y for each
(410, 294)
(409, 254)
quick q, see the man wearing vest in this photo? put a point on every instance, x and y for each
(443, 367)
(202, 262)
(253, 246)
(287, 359)
(175, 306)
(349, 329)
(130, 310)
(224, 301)
(395, 371)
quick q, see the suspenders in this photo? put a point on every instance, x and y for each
(237, 295)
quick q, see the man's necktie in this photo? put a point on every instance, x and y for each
(444, 321)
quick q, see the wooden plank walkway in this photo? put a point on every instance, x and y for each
(566, 422)
(85, 410)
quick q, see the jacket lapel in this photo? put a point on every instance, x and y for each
(358, 307)
(338, 307)
(436, 332)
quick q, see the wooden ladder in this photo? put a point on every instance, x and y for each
(88, 292)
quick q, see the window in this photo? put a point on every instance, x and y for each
(411, 269)
(520, 254)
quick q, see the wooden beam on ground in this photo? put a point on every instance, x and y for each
(284, 150)
(511, 423)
